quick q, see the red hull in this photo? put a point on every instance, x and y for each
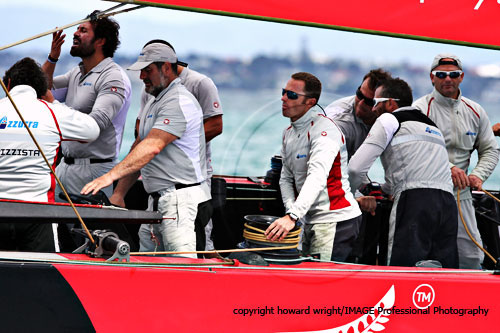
(242, 298)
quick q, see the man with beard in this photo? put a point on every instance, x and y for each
(313, 180)
(169, 154)
(422, 224)
(466, 128)
(354, 116)
(97, 87)
(205, 91)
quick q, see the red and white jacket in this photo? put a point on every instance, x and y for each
(23, 173)
(314, 183)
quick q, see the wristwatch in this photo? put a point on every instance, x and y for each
(294, 217)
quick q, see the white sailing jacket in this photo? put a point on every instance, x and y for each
(23, 173)
(466, 127)
(314, 183)
(412, 151)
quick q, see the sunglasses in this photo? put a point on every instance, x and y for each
(383, 99)
(360, 96)
(291, 94)
(443, 74)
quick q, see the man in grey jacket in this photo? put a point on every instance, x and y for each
(466, 128)
(422, 224)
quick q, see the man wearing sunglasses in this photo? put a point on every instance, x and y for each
(313, 182)
(353, 114)
(466, 127)
(422, 224)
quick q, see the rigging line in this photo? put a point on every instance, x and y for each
(491, 195)
(216, 251)
(47, 162)
(468, 232)
(87, 19)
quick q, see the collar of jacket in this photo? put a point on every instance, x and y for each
(447, 101)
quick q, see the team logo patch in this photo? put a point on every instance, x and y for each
(166, 121)
(324, 133)
(216, 105)
(3, 122)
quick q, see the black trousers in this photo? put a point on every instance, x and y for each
(345, 235)
(426, 228)
(36, 237)
(205, 210)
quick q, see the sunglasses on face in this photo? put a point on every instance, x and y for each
(443, 74)
(383, 99)
(368, 101)
(291, 94)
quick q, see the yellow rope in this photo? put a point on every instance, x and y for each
(467, 229)
(491, 195)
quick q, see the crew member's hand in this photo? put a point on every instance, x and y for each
(367, 204)
(496, 129)
(117, 200)
(57, 42)
(280, 228)
(97, 184)
(48, 96)
(475, 183)
(459, 178)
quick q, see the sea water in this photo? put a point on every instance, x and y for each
(253, 127)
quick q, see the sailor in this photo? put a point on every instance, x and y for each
(169, 154)
(422, 225)
(24, 175)
(205, 91)
(354, 116)
(313, 182)
(98, 87)
(466, 128)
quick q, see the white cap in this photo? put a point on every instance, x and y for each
(438, 60)
(155, 52)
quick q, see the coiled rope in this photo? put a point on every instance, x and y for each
(292, 237)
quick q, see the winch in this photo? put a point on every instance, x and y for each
(107, 244)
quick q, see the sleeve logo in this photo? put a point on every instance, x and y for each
(166, 121)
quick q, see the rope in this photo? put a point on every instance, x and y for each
(215, 251)
(491, 195)
(467, 229)
(87, 19)
(47, 161)
(291, 238)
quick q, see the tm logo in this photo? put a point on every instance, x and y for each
(423, 296)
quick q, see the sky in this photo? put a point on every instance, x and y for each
(220, 36)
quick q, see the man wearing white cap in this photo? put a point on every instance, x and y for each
(169, 152)
(466, 127)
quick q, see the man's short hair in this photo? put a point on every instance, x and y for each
(376, 76)
(28, 72)
(107, 28)
(312, 86)
(397, 88)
